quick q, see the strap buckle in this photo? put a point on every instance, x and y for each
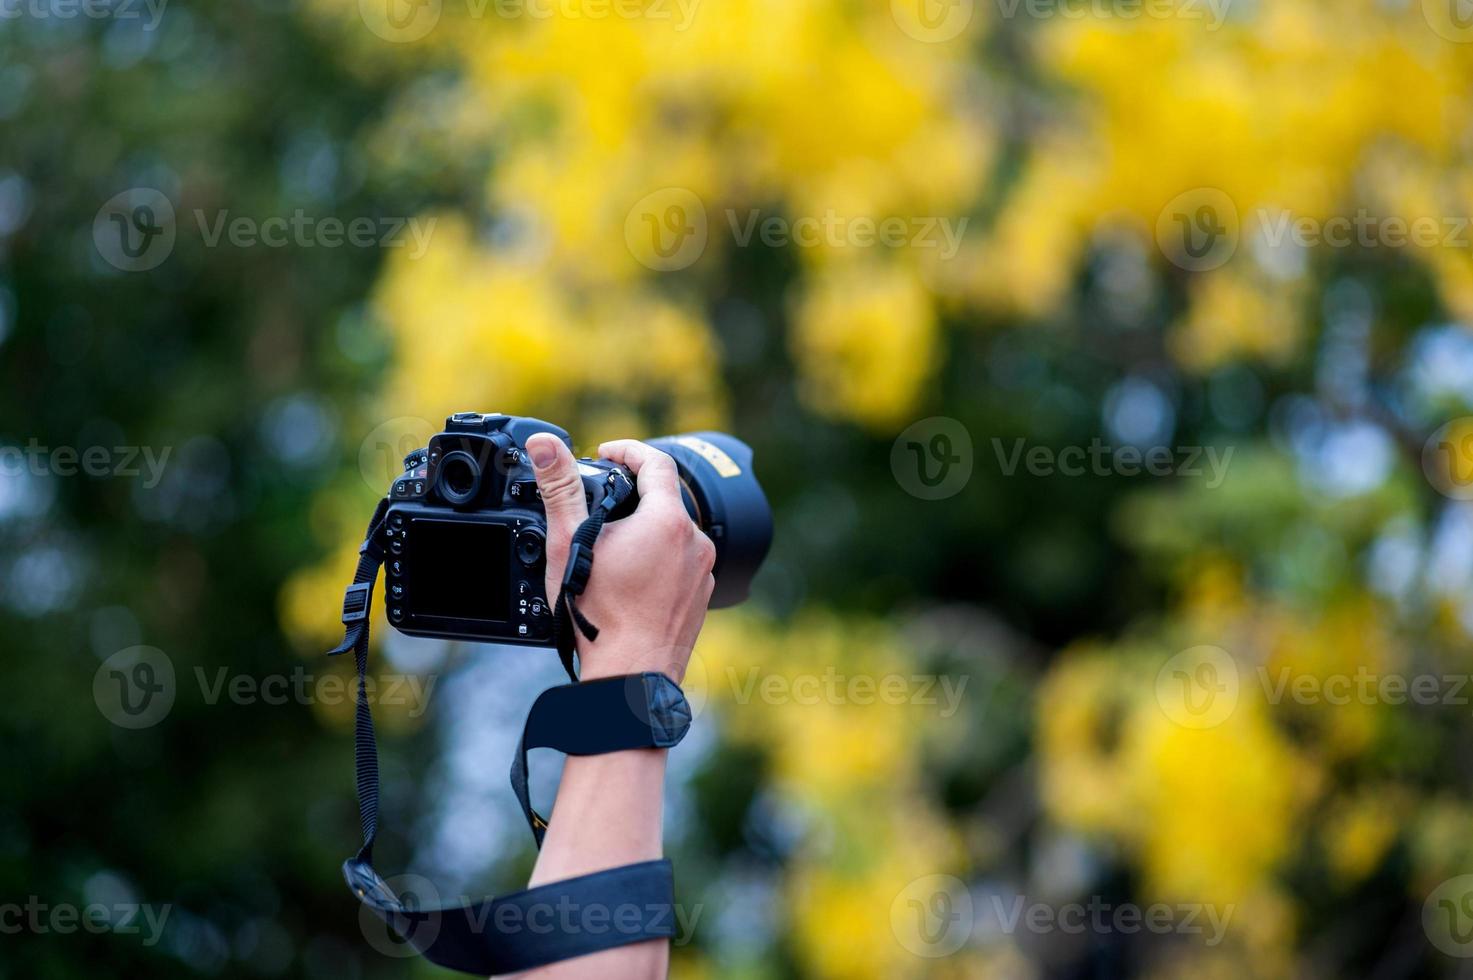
(580, 566)
(356, 602)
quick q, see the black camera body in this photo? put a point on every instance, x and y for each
(465, 531)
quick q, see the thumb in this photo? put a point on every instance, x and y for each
(562, 497)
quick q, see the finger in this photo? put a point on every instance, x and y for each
(654, 472)
(562, 497)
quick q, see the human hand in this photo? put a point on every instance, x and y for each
(651, 577)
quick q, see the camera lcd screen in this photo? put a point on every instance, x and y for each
(460, 569)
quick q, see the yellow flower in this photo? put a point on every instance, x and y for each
(1209, 812)
(866, 338)
(1361, 829)
(1232, 315)
(1215, 809)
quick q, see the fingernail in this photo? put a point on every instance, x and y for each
(542, 453)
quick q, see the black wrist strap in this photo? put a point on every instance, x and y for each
(613, 714)
(541, 925)
(565, 614)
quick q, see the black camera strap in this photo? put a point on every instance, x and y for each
(612, 714)
(578, 569)
(552, 922)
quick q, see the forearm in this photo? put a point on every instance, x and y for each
(608, 812)
(648, 598)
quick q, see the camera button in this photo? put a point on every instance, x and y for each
(396, 546)
(522, 630)
(396, 591)
(529, 545)
(396, 614)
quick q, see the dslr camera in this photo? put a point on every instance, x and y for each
(465, 531)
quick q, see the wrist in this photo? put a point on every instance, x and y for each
(618, 660)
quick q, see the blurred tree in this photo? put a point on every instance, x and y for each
(595, 195)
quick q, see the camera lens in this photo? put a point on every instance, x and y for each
(460, 477)
(725, 500)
